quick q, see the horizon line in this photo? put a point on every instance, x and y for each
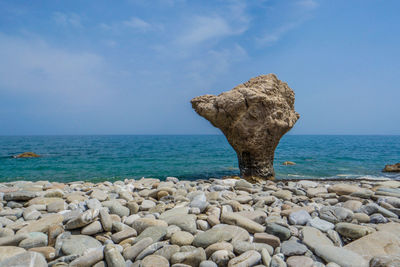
(177, 134)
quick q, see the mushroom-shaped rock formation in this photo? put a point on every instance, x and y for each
(253, 116)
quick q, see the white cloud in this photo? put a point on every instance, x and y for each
(204, 29)
(276, 34)
(137, 23)
(228, 21)
(70, 19)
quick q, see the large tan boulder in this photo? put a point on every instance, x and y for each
(253, 116)
(386, 241)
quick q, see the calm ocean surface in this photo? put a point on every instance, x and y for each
(96, 158)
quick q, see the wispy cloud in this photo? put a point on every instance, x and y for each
(310, 4)
(110, 43)
(229, 21)
(133, 23)
(137, 23)
(297, 13)
(204, 29)
(67, 19)
(273, 36)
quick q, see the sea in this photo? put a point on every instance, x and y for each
(114, 157)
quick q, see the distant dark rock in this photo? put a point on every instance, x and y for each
(392, 168)
(27, 155)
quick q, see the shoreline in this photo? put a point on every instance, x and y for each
(208, 223)
(350, 178)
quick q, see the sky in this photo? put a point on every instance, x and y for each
(132, 66)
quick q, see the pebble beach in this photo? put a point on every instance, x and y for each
(207, 223)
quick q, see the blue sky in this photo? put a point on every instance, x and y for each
(131, 67)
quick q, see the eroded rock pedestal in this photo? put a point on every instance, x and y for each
(253, 116)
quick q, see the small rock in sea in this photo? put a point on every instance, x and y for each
(288, 163)
(27, 155)
(392, 168)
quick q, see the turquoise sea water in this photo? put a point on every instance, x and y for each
(96, 158)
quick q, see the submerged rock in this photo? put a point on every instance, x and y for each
(253, 116)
